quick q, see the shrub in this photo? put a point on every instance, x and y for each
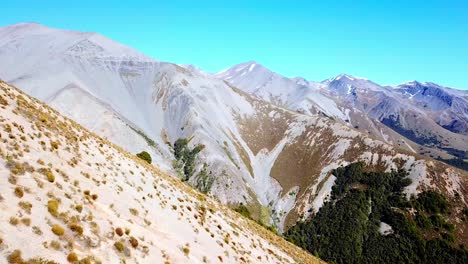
(432, 202)
(205, 179)
(186, 155)
(133, 211)
(133, 241)
(14, 221)
(15, 257)
(54, 144)
(50, 176)
(26, 221)
(55, 245)
(26, 206)
(52, 207)
(242, 209)
(186, 250)
(19, 192)
(76, 228)
(58, 230)
(145, 156)
(119, 231)
(72, 257)
(3, 101)
(423, 221)
(448, 237)
(119, 246)
(79, 208)
(94, 196)
(36, 230)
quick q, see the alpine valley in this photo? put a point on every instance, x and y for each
(267, 145)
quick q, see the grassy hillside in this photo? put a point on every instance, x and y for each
(67, 195)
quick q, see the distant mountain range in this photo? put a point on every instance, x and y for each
(270, 141)
(428, 118)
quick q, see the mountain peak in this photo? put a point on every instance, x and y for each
(245, 66)
(25, 24)
(22, 28)
(41, 40)
(345, 77)
(241, 70)
(411, 83)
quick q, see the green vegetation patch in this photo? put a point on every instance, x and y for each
(346, 228)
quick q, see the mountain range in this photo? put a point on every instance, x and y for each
(270, 142)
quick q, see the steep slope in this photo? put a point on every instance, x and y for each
(92, 79)
(274, 158)
(305, 149)
(68, 194)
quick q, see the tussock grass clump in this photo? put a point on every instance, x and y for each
(15, 257)
(76, 228)
(52, 207)
(54, 145)
(133, 211)
(55, 245)
(26, 221)
(14, 221)
(186, 249)
(72, 257)
(26, 206)
(36, 230)
(119, 246)
(79, 208)
(17, 168)
(58, 230)
(3, 101)
(19, 192)
(133, 241)
(48, 174)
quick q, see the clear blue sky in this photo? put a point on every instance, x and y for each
(386, 41)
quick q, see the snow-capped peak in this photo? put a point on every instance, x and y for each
(412, 88)
(345, 77)
(239, 69)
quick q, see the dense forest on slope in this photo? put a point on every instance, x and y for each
(368, 220)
